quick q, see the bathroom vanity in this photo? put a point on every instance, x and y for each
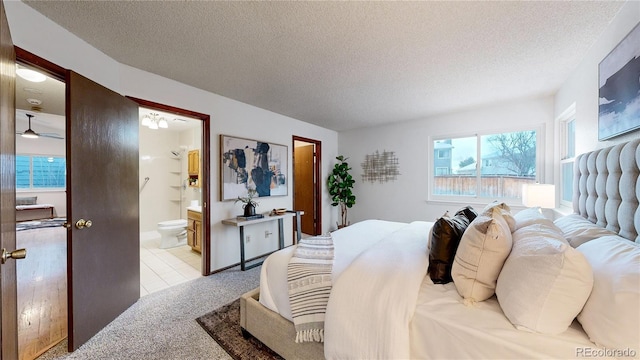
(194, 229)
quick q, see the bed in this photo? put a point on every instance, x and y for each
(28, 209)
(381, 268)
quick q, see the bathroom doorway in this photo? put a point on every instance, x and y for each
(173, 194)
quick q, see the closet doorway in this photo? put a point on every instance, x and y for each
(306, 183)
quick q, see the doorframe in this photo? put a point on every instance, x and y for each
(53, 70)
(59, 73)
(317, 183)
(206, 171)
(8, 278)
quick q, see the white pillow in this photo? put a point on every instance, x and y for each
(530, 216)
(544, 283)
(546, 229)
(611, 315)
(482, 250)
(500, 209)
(578, 230)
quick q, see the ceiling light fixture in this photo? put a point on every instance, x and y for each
(33, 101)
(153, 121)
(29, 134)
(31, 75)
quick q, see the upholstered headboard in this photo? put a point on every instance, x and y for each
(606, 188)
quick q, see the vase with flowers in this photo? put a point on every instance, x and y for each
(249, 204)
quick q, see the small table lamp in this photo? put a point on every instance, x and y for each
(542, 195)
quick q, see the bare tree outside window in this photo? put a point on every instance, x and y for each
(517, 150)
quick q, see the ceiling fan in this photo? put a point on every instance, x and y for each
(30, 134)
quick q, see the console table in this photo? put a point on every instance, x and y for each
(242, 223)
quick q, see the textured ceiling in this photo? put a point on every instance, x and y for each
(345, 65)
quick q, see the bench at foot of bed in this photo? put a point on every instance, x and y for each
(273, 330)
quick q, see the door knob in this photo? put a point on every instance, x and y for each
(82, 223)
(15, 254)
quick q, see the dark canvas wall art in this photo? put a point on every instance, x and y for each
(619, 88)
(252, 164)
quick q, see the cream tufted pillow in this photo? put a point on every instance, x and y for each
(482, 251)
(496, 208)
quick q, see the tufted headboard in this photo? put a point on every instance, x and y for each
(606, 188)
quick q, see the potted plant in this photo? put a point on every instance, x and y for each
(340, 184)
(249, 204)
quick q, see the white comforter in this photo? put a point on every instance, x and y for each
(378, 269)
(388, 289)
(349, 243)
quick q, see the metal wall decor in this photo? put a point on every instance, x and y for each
(380, 167)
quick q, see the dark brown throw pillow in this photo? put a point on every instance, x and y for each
(445, 237)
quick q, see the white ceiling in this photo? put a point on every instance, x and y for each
(344, 65)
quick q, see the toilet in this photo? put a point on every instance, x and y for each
(172, 233)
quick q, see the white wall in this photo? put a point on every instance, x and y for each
(44, 146)
(406, 198)
(163, 198)
(581, 87)
(37, 34)
(158, 197)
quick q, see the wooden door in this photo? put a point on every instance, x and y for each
(102, 187)
(8, 288)
(304, 186)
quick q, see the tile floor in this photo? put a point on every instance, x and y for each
(162, 268)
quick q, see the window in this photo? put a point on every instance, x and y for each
(486, 166)
(443, 153)
(442, 171)
(567, 159)
(40, 172)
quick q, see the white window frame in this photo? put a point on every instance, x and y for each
(478, 200)
(567, 116)
(31, 188)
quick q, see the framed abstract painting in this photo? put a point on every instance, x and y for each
(619, 88)
(247, 164)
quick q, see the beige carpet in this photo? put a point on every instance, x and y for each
(161, 325)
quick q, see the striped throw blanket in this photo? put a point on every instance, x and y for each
(309, 279)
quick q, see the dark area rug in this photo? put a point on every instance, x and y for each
(223, 325)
